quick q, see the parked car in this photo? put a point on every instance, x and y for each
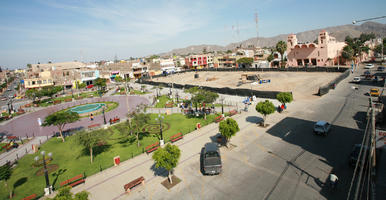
(322, 128)
(355, 153)
(374, 92)
(369, 66)
(211, 159)
(381, 68)
(356, 79)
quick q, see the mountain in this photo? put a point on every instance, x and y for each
(339, 32)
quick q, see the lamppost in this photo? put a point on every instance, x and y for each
(160, 118)
(48, 188)
(103, 112)
(222, 105)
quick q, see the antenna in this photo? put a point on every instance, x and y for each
(238, 33)
(257, 28)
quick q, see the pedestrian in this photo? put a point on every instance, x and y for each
(92, 117)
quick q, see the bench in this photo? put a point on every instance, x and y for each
(31, 197)
(67, 100)
(93, 126)
(169, 105)
(73, 181)
(57, 101)
(218, 119)
(115, 120)
(232, 112)
(152, 147)
(176, 137)
(134, 183)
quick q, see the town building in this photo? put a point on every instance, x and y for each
(325, 53)
(199, 61)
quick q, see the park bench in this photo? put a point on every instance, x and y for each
(73, 181)
(27, 105)
(78, 98)
(30, 197)
(152, 147)
(232, 112)
(57, 101)
(169, 105)
(176, 137)
(67, 100)
(218, 119)
(134, 183)
(115, 120)
(20, 111)
(93, 126)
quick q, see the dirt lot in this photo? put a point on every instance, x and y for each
(302, 84)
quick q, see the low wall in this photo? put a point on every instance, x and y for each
(331, 85)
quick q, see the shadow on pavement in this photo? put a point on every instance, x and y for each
(159, 171)
(254, 119)
(335, 148)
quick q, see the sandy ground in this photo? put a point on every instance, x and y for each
(302, 84)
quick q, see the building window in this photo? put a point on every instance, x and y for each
(44, 81)
(39, 82)
(318, 54)
(49, 81)
(33, 82)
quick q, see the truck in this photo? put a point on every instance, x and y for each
(211, 159)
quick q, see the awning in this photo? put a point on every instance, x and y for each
(90, 86)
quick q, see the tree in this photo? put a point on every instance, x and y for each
(229, 51)
(137, 122)
(284, 97)
(82, 85)
(378, 48)
(281, 47)
(118, 79)
(270, 58)
(348, 52)
(5, 174)
(32, 93)
(265, 108)
(203, 96)
(60, 119)
(167, 158)
(101, 84)
(228, 128)
(50, 91)
(90, 139)
(66, 194)
(29, 66)
(245, 61)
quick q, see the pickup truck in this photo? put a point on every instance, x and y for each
(211, 159)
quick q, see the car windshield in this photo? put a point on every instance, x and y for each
(211, 154)
(318, 126)
(374, 90)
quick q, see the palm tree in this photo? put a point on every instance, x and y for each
(281, 47)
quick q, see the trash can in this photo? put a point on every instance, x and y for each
(196, 75)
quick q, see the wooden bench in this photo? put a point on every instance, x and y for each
(176, 137)
(68, 100)
(93, 126)
(73, 181)
(134, 183)
(218, 119)
(115, 120)
(169, 105)
(232, 112)
(31, 197)
(152, 147)
(57, 101)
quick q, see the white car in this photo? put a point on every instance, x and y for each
(322, 128)
(356, 79)
(369, 66)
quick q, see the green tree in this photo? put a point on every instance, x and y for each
(348, 52)
(357, 45)
(270, 58)
(228, 128)
(118, 79)
(229, 51)
(29, 66)
(101, 84)
(90, 139)
(60, 119)
(265, 108)
(5, 174)
(50, 91)
(281, 47)
(167, 158)
(378, 48)
(203, 96)
(245, 61)
(82, 85)
(137, 122)
(284, 97)
(32, 93)
(66, 194)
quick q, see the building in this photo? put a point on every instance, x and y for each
(199, 61)
(225, 61)
(324, 53)
(38, 80)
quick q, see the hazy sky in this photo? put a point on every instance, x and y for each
(34, 31)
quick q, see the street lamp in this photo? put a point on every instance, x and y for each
(160, 118)
(104, 116)
(222, 105)
(48, 188)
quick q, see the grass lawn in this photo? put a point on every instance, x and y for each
(138, 92)
(72, 159)
(162, 101)
(48, 102)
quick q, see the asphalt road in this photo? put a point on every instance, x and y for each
(285, 160)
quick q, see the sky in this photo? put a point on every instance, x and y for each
(33, 31)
